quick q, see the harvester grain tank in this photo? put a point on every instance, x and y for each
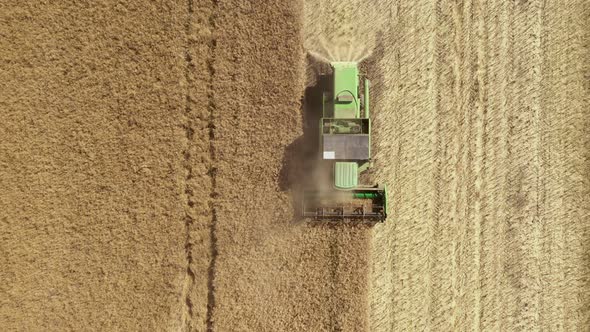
(345, 145)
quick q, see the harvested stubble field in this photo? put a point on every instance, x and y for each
(148, 154)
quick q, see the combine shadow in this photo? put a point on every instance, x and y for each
(300, 159)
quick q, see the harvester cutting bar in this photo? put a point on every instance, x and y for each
(367, 204)
(340, 213)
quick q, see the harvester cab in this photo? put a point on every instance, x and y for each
(345, 146)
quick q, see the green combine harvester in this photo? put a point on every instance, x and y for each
(345, 148)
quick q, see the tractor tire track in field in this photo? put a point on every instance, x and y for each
(189, 221)
(212, 172)
(200, 164)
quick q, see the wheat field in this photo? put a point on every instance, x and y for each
(150, 156)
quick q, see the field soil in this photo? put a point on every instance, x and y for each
(151, 154)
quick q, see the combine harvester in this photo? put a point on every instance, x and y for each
(345, 146)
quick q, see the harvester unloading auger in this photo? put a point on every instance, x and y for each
(345, 145)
